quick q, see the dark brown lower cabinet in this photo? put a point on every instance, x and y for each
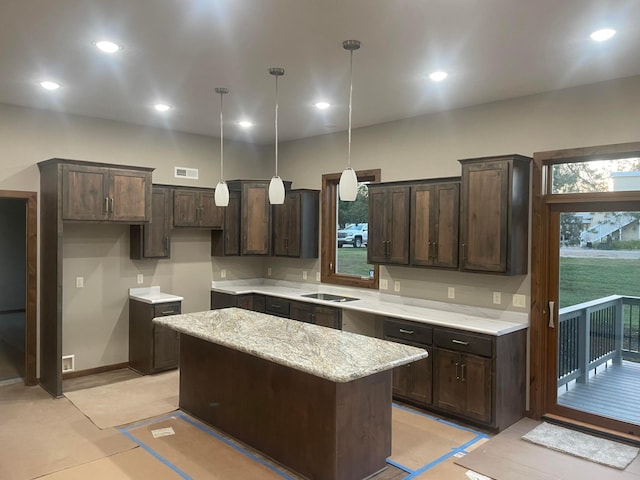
(152, 348)
(411, 382)
(317, 314)
(249, 301)
(463, 384)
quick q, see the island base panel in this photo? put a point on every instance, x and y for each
(318, 428)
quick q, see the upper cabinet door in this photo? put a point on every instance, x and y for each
(445, 225)
(130, 196)
(421, 225)
(256, 218)
(210, 216)
(388, 224)
(494, 214)
(105, 194)
(185, 208)
(85, 193)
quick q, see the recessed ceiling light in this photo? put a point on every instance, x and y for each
(438, 76)
(603, 34)
(322, 105)
(107, 46)
(49, 85)
(245, 123)
(161, 107)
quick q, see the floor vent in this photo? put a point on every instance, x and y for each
(191, 173)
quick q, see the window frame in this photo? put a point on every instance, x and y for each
(329, 232)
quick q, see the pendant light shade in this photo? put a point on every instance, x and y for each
(276, 187)
(348, 188)
(221, 195)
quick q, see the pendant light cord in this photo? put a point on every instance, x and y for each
(276, 125)
(221, 141)
(350, 102)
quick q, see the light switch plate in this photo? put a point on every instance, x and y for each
(79, 282)
(396, 286)
(451, 292)
(317, 276)
(140, 278)
(269, 271)
(383, 284)
(304, 274)
(223, 273)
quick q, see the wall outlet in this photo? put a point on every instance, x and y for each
(497, 298)
(317, 276)
(269, 272)
(304, 274)
(140, 278)
(396, 286)
(519, 300)
(223, 273)
(79, 282)
(383, 284)
(451, 292)
(68, 363)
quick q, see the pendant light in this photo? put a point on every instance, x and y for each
(221, 195)
(276, 187)
(348, 190)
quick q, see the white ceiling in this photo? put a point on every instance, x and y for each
(178, 51)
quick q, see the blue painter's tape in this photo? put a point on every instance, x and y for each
(155, 454)
(244, 451)
(399, 465)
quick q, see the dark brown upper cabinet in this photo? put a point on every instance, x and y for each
(388, 224)
(434, 223)
(99, 192)
(196, 208)
(153, 239)
(247, 220)
(295, 224)
(494, 214)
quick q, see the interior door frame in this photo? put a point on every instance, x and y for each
(544, 205)
(31, 287)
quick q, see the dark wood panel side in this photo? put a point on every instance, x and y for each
(314, 426)
(50, 280)
(510, 378)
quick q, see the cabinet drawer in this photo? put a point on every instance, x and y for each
(165, 309)
(277, 306)
(409, 331)
(463, 342)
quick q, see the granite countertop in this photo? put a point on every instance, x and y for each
(152, 295)
(331, 354)
(464, 317)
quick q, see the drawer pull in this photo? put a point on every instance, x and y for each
(459, 342)
(169, 312)
(408, 332)
(274, 306)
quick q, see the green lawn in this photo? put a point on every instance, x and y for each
(353, 261)
(584, 279)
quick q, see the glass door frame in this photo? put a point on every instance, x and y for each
(544, 279)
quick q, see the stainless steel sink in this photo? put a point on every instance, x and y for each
(330, 297)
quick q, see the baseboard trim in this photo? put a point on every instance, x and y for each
(93, 371)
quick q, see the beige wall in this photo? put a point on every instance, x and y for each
(95, 317)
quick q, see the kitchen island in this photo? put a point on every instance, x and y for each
(315, 399)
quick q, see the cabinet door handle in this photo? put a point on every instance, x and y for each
(464, 251)
(429, 254)
(106, 204)
(463, 369)
(166, 242)
(408, 332)
(111, 202)
(459, 342)
(457, 371)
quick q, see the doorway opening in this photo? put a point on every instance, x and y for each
(18, 290)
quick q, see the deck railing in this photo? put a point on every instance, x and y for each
(592, 333)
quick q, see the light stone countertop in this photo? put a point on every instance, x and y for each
(152, 295)
(327, 353)
(464, 317)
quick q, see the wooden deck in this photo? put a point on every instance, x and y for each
(613, 392)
